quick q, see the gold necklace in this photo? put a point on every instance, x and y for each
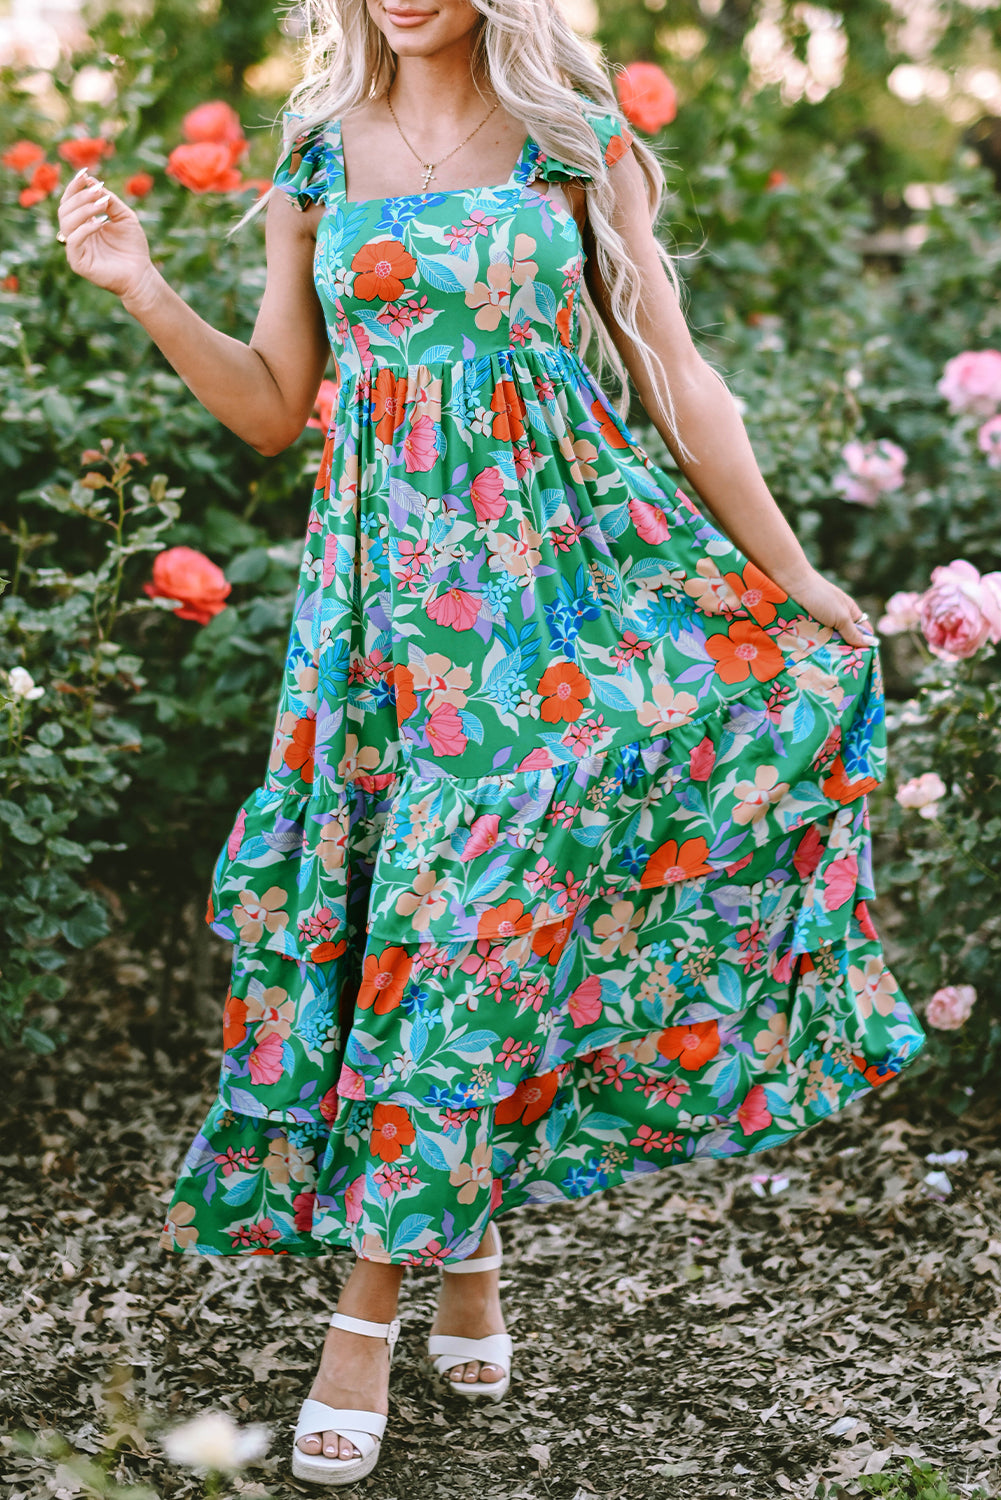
(427, 167)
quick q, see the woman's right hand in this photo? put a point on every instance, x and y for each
(111, 251)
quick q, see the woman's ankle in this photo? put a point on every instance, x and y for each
(371, 1291)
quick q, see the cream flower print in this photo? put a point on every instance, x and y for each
(443, 682)
(617, 928)
(710, 590)
(874, 988)
(492, 297)
(773, 1042)
(584, 454)
(470, 1176)
(287, 1163)
(824, 684)
(518, 555)
(179, 1230)
(668, 709)
(524, 268)
(425, 902)
(357, 761)
(273, 1012)
(331, 849)
(426, 394)
(284, 726)
(255, 914)
(754, 798)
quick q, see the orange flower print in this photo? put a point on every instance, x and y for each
(389, 399)
(382, 269)
(392, 1129)
(506, 401)
(234, 1017)
(564, 688)
(298, 755)
(757, 593)
(609, 428)
(745, 649)
(668, 864)
(530, 1100)
(564, 321)
(840, 789)
(508, 920)
(406, 698)
(549, 941)
(384, 978)
(691, 1046)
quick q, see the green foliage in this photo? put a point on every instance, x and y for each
(916, 1481)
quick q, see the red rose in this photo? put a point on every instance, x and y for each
(215, 123)
(205, 167)
(85, 151)
(22, 155)
(10, 284)
(139, 184)
(647, 96)
(190, 577)
(43, 179)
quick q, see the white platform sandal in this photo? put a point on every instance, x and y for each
(362, 1428)
(446, 1350)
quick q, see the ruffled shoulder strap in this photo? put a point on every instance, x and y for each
(303, 172)
(613, 138)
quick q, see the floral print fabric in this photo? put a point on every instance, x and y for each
(560, 869)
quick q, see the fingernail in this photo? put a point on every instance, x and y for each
(102, 201)
(80, 172)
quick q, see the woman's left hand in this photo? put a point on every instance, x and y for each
(831, 606)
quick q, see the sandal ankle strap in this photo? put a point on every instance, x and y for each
(482, 1262)
(388, 1331)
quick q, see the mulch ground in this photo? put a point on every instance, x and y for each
(702, 1334)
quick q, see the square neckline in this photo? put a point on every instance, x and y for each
(513, 180)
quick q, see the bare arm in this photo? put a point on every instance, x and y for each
(723, 469)
(263, 391)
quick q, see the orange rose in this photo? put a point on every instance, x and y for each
(384, 979)
(22, 155)
(392, 1129)
(745, 649)
(563, 687)
(43, 180)
(692, 1046)
(190, 577)
(668, 864)
(382, 269)
(204, 167)
(139, 184)
(85, 151)
(215, 123)
(647, 96)
(531, 1098)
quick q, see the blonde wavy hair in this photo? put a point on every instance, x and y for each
(539, 68)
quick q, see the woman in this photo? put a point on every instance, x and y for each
(560, 868)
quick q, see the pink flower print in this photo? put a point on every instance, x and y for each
(491, 297)
(420, 450)
(523, 267)
(236, 836)
(350, 1085)
(520, 333)
(669, 708)
(359, 334)
(536, 760)
(628, 649)
(395, 319)
(529, 994)
(390, 1180)
(840, 881)
(777, 699)
(749, 943)
(266, 1060)
(808, 852)
(562, 814)
(701, 759)
(484, 959)
(445, 734)
(989, 442)
(541, 877)
(509, 1051)
(650, 521)
(871, 470)
(484, 835)
(526, 458)
(455, 608)
(753, 1113)
(487, 494)
(231, 1160)
(302, 1207)
(329, 560)
(329, 1105)
(410, 560)
(544, 388)
(585, 1004)
(648, 1139)
(961, 611)
(458, 235)
(971, 382)
(480, 223)
(354, 1197)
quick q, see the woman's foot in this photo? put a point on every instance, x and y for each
(354, 1369)
(469, 1307)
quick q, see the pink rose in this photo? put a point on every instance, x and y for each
(961, 611)
(948, 1008)
(754, 1113)
(989, 441)
(972, 382)
(903, 612)
(216, 123)
(647, 96)
(192, 579)
(873, 469)
(923, 792)
(323, 406)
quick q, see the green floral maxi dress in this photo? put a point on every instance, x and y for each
(560, 869)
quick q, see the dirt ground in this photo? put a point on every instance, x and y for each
(773, 1326)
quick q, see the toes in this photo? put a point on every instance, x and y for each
(335, 1446)
(310, 1444)
(473, 1371)
(490, 1373)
